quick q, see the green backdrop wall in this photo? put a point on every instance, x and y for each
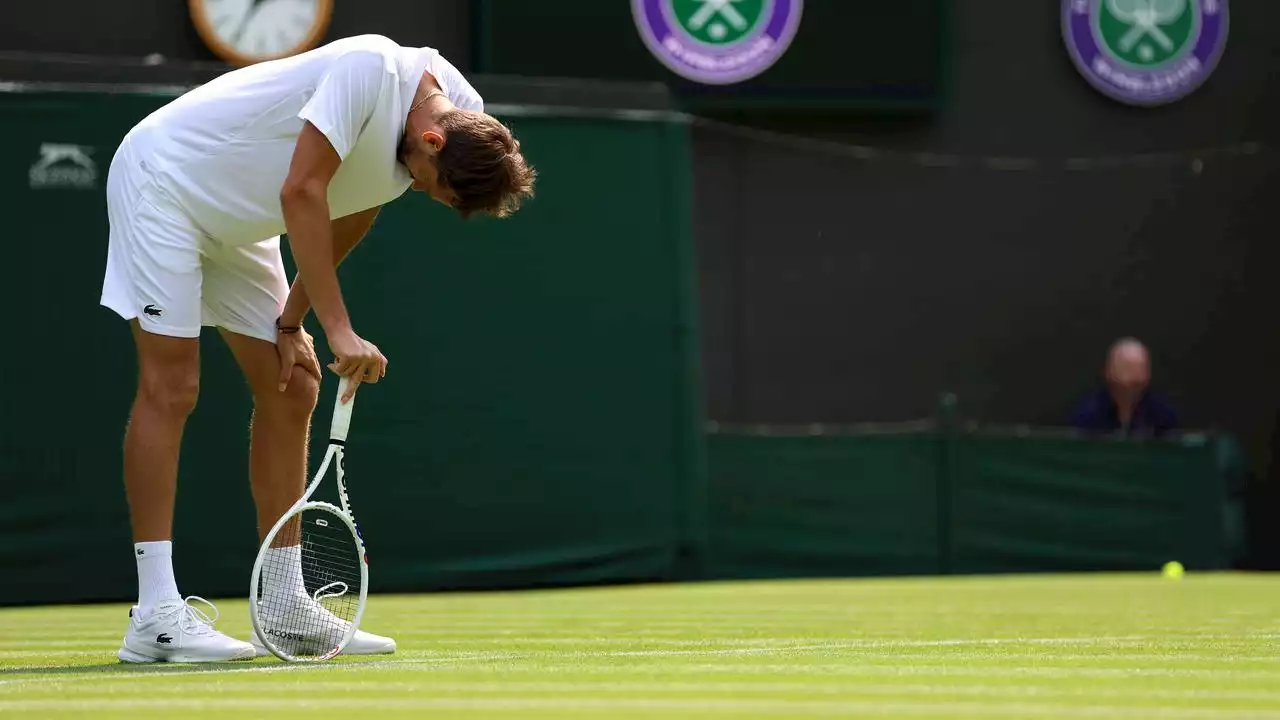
(540, 423)
(537, 424)
(940, 500)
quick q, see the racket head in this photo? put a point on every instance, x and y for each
(315, 622)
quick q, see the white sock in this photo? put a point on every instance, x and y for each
(155, 575)
(282, 576)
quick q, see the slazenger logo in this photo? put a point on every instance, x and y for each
(64, 166)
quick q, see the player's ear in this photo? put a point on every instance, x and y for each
(434, 139)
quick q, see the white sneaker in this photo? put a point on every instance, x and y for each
(178, 632)
(327, 626)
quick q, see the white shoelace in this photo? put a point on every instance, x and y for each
(192, 620)
(292, 604)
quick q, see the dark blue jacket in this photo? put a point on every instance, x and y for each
(1098, 413)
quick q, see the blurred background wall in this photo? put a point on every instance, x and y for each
(829, 295)
(137, 28)
(1044, 221)
(924, 198)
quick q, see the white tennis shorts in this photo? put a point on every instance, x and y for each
(164, 271)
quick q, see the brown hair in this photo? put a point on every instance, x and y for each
(481, 163)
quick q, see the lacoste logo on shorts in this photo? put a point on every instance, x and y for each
(152, 310)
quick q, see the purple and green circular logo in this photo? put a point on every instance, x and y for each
(717, 42)
(1145, 52)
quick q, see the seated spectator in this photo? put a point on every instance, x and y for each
(1125, 404)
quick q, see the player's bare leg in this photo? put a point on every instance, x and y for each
(278, 472)
(163, 626)
(168, 384)
(279, 432)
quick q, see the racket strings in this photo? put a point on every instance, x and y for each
(309, 587)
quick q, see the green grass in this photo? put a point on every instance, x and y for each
(1094, 646)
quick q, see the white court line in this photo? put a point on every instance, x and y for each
(643, 638)
(755, 645)
(756, 649)
(57, 677)
(571, 639)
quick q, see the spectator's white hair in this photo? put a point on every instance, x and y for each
(1124, 344)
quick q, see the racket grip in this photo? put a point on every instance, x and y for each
(341, 412)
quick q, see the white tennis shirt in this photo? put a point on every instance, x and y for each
(223, 150)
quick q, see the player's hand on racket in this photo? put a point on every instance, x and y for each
(356, 358)
(296, 348)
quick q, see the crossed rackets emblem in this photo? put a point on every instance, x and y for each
(1145, 18)
(722, 8)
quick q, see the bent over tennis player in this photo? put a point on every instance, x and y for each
(198, 196)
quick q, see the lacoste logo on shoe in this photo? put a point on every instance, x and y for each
(284, 634)
(152, 310)
(163, 639)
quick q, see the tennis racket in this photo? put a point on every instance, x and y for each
(311, 577)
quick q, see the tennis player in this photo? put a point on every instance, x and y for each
(198, 196)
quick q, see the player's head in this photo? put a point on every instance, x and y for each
(469, 161)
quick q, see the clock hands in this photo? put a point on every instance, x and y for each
(254, 6)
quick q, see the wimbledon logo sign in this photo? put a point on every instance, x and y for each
(717, 42)
(1145, 52)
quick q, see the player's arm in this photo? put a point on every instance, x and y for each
(304, 199)
(333, 120)
(347, 233)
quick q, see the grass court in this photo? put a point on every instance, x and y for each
(1046, 646)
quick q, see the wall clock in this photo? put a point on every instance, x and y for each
(245, 32)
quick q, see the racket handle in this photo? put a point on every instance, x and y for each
(342, 412)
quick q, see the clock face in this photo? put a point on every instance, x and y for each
(247, 31)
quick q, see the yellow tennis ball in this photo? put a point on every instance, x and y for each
(1173, 570)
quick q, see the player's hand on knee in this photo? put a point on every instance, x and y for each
(296, 348)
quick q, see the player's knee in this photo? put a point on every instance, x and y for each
(171, 391)
(300, 394)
